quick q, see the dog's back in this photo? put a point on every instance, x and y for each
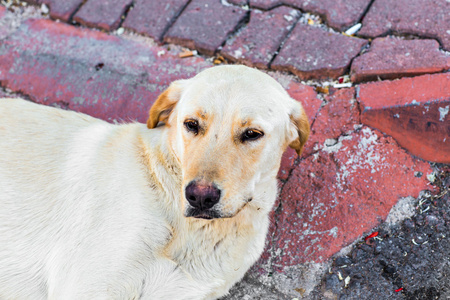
(28, 161)
(55, 166)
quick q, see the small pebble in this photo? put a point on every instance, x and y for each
(409, 224)
(390, 269)
(432, 220)
(378, 249)
(44, 9)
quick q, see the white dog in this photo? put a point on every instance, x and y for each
(177, 209)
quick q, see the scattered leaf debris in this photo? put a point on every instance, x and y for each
(347, 281)
(218, 60)
(323, 89)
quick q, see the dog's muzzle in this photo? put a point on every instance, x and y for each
(202, 197)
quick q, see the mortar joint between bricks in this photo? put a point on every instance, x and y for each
(271, 7)
(366, 11)
(70, 19)
(286, 37)
(174, 19)
(129, 7)
(402, 35)
(236, 29)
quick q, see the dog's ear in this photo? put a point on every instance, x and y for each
(299, 127)
(165, 103)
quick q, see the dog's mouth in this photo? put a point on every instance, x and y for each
(207, 214)
(211, 213)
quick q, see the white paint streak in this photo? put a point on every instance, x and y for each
(364, 157)
(402, 210)
(443, 112)
(238, 53)
(333, 146)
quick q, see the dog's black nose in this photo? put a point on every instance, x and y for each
(202, 196)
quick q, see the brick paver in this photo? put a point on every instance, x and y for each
(62, 10)
(338, 117)
(415, 111)
(311, 52)
(104, 14)
(391, 58)
(256, 44)
(338, 14)
(205, 25)
(238, 2)
(425, 18)
(153, 18)
(265, 4)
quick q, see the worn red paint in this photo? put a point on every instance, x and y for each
(339, 116)
(334, 190)
(399, 290)
(111, 78)
(414, 111)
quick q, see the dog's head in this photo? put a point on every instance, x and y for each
(228, 127)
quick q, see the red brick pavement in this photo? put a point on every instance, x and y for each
(89, 71)
(62, 10)
(205, 25)
(311, 52)
(425, 18)
(369, 144)
(256, 44)
(342, 191)
(339, 14)
(153, 18)
(103, 14)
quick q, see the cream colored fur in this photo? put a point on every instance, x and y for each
(92, 210)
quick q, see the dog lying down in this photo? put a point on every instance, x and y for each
(175, 209)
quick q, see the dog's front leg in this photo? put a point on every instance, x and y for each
(166, 280)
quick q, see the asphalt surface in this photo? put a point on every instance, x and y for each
(410, 260)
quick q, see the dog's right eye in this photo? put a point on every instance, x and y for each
(191, 125)
(251, 135)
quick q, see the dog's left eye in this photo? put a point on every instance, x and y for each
(251, 135)
(191, 125)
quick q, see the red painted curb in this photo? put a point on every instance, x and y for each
(415, 111)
